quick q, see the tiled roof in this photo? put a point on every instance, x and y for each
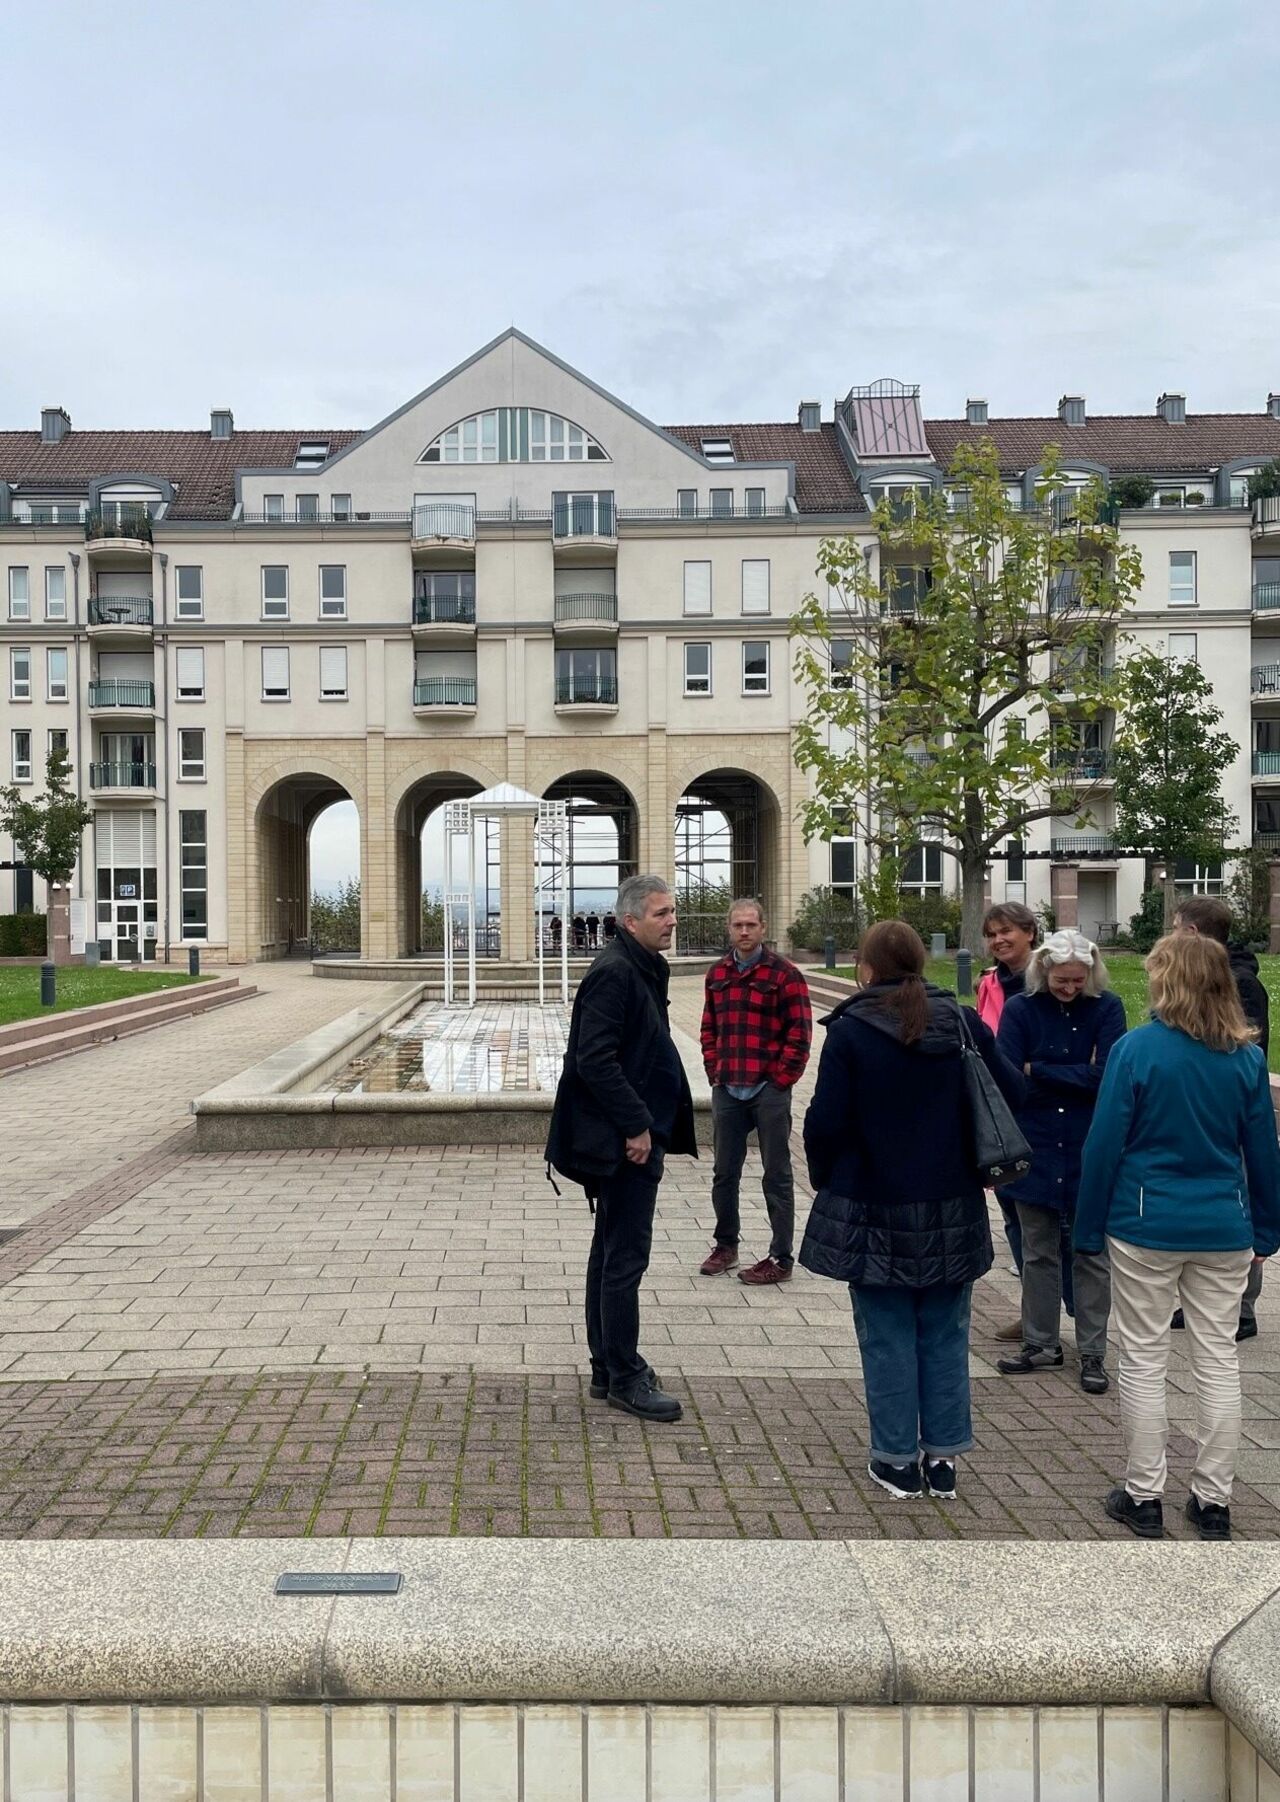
(200, 467)
(823, 481)
(1140, 443)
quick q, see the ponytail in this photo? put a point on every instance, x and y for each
(894, 953)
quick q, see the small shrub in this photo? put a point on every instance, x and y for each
(823, 911)
(1248, 895)
(1264, 483)
(1147, 925)
(1131, 491)
(23, 935)
(932, 913)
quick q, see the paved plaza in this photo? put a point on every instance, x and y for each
(390, 1341)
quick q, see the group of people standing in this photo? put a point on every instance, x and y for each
(1151, 1197)
(587, 932)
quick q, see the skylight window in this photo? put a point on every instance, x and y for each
(717, 450)
(312, 452)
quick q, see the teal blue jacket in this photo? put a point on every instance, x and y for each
(1182, 1153)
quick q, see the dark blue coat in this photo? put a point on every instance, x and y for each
(1066, 1045)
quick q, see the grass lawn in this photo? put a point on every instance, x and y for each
(77, 987)
(1129, 980)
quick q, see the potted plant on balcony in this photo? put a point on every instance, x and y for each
(1131, 491)
(46, 833)
(1264, 483)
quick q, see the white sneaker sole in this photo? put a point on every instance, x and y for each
(899, 1495)
(939, 1495)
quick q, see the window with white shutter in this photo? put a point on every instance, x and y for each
(755, 585)
(697, 588)
(333, 672)
(190, 672)
(275, 672)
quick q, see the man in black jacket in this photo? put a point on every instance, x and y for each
(623, 1102)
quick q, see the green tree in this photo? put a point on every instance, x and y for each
(335, 919)
(1169, 760)
(963, 666)
(46, 830)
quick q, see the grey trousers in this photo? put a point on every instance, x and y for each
(1042, 1286)
(1252, 1290)
(768, 1115)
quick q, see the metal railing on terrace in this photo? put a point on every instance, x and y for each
(1266, 841)
(1069, 671)
(733, 510)
(1266, 763)
(121, 610)
(1264, 679)
(295, 516)
(596, 609)
(125, 524)
(573, 691)
(443, 610)
(1266, 512)
(445, 691)
(44, 513)
(122, 775)
(1266, 597)
(1082, 766)
(115, 693)
(444, 519)
(591, 518)
(1082, 844)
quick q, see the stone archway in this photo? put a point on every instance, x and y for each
(603, 838)
(280, 892)
(422, 798)
(727, 843)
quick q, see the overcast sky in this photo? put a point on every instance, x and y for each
(309, 212)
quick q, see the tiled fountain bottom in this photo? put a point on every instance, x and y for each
(497, 1046)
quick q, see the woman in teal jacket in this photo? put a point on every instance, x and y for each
(1181, 1181)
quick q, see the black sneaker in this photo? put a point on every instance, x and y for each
(1247, 1329)
(1146, 1519)
(1030, 1359)
(1178, 1322)
(1093, 1377)
(647, 1403)
(1210, 1519)
(940, 1479)
(901, 1480)
(599, 1389)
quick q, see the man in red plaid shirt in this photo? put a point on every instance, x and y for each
(757, 1029)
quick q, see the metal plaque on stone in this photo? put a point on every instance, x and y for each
(339, 1583)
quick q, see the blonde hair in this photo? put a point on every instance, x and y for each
(1067, 947)
(1192, 988)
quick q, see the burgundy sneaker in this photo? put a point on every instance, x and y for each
(768, 1270)
(719, 1259)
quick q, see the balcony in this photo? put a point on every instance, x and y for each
(444, 694)
(444, 619)
(1266, 764)
(127, 530)
(1082, 844)
(443, 525)
(1068, 672)
(587, 615)
(1266, 517)
(1264, 681)
(1266, 597)
(583, 524)
(122, 778)
(121, 618)
(1083, 767)
(1266, 841)
(584, 694)
(122, 697)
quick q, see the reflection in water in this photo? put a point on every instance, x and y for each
(495, 1046)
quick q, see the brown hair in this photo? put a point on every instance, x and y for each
(894, 953)
(1210, 916)
(1193, 989)
(1012, 913)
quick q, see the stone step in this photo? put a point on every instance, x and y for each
(108, 1010)
(57, 1035)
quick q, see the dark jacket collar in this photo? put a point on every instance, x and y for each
(650, 964)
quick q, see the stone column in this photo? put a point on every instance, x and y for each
(516, 842)
(241, 879)
(377, 854)
(1064, 894)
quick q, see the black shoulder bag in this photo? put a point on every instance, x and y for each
(1000, 1149)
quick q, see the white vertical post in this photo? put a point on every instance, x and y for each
(448, 907)
(471, 910)
(565, 854)
(539, 831)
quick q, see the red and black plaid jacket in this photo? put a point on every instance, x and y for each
(757, 1025)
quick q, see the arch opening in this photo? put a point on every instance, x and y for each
(601, 850)
(419, 836)
(726, 845)
(283, 825)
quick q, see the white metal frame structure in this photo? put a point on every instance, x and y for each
(551, 850)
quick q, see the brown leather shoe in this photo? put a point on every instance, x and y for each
(768, 1270)
(1012, 1331)
(719, 1259)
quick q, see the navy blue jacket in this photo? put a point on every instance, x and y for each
(1067, 1045)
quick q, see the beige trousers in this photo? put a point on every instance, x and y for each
(1146, 1286)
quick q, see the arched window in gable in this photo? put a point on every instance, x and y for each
(515, 435)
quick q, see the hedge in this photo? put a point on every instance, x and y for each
(23, 935)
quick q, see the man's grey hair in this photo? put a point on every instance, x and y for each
(746, 901)
(634, 893)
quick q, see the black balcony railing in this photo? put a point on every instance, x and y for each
(443, 610)
(445, 691)
(1082, 844)
(589, 517)
(1264, 679)
(1082, 766)
(306, 516)
(586, 691)
(122, 694)
(121, 610)
(122, 775)
(125, 524)
(592, 609)
(1266, 597)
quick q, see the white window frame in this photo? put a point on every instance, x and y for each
(927, 885)
(721, 503)
(273, 509)
(752, 581)
(756, 502)
(306, 509)
(1183, 654)
(23, 768)
(19, 686)
(339, 508)
(55, 606)
(186, 653)
(841, 673)
(332, 606)
(19, 592)
(1178, 590)
(686, 503)
(274, 692)
(328, 652)
(188, 606)
(185, 885)
(56, 732)
(277, 602)
(693, 588)
(756, 687)
(192, 769)
(843, 836)
(698, 686)
(57, 690)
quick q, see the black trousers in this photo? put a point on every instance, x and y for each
(619, 1258)
(768, 1115)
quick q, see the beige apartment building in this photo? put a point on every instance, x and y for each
(517, 578)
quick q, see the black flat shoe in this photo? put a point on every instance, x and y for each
(647, 1403)
(599, 1389)
(902, 1481)
(1247, 1329)
(1146, 1519)
(1029, 1360)
(1093, 1377)
(1210, 1519)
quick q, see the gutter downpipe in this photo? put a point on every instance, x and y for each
(162, 559)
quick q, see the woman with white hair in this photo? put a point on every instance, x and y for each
(1059, 1033)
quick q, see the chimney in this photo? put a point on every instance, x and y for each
(1071, 409)
(1273, 405)
(810, 416)
(1172, 408)
(221, 424)
(55, 423)
(975, 411)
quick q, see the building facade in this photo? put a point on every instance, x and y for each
(516, 578)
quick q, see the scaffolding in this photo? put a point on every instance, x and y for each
(550, 848)
(717, 855)
(591, 801)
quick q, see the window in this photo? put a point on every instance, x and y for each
(697, 669)
(340, 506)
(717, 450)
(922, 869)
(191, 753)
(755, 667)
(515, 435)
(1169, 497)
(275, 591)
(19, 594)
(755, 585)
(844, 856)
(21, 743)
(697, 588)
(475, 440)
(275, 672)
(722, 503)
(273, 508)
(56, 673)
(842, 663)
(1183, 647)
(19, 675)
(58, 740)
(55, 592)
(308, 509)
(333, 672)
(587, 675)
(755, 503)
(1240, 488)
(444, 596)
(333, 591)
(1192, 878)
(193, 851)
(188, 589)
(687, 503)
(1016, 871)
(1182, 578)
(190, 672)
(312, 452)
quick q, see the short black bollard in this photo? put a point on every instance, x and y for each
(829, 952)
(48, 986)
(964, 972)
(193, 960)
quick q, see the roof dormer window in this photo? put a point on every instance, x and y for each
(312, 452)
(717, 450)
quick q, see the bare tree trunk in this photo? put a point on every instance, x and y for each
(1170, 897)
(973, 881)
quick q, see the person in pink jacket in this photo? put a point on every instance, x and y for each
(1010, 932)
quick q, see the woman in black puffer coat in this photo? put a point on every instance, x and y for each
(899, 1212)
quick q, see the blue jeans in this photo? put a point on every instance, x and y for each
(915, 1364)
